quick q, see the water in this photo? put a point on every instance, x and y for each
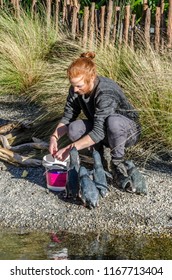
(40, 245)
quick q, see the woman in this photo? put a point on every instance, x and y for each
(110, 118)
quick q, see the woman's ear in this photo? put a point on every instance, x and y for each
(93, 77)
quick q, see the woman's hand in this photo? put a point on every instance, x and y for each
(53, 147)
(63, 153)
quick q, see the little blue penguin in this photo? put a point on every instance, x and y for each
(99, 174)
(72, 185)
(89, 192)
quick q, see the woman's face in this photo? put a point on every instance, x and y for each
(80, 86)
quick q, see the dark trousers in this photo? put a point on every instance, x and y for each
(120, 133)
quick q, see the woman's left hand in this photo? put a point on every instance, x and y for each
(63, 153)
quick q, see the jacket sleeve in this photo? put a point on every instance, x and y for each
(105, 105)
(72, 108)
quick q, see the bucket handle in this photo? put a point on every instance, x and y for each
(57, 164)
(61, 165)
(47, 171)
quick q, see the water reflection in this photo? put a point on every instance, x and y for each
(64, 245)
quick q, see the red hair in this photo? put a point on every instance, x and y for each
(82, 66)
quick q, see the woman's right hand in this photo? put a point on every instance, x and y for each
(53, 147)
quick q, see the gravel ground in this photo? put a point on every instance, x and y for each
(26, 203)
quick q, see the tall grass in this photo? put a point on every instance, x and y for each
(24, 42)
(34, 60)
(145, 77)
(52, 89)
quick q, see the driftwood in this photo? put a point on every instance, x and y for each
(13, 153)
(15, 158)
(8, 127)
(41, 145)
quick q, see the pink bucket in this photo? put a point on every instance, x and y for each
(56, 173)
(56, 179)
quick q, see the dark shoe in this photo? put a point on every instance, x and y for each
(120, 175)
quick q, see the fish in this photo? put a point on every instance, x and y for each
(136, 179)
(99, 174)
(89, 194)
(72, 186)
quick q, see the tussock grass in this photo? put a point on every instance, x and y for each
(34, 60)
(24, 42)
(145, 77)
(52, 89)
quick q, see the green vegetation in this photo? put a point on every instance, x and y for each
(24, 43)
(145, 77)
(34, 59)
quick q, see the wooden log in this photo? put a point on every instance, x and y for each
(57, 10)
(78, 29)
(48, 12)
(8, 127)
(91, 27)
(108, 22)
(145, 7)
(133, 19)
(157, 28)
(96, 27)
(162, 25)
(74, 21)
(102, 25)
(13, 2)
(119, 34)
(126, 23)
(4, 142)
(114, 25)
(2, 4)
(14, 6)
(15, 158)
(147, 27)
(69, 5)
(64, 11)
(121, 27)
(17, 8)
(33, 8)
(38, 144)
(79, 22)
(85, 32)
(169, 26)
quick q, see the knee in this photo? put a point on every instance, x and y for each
(75, 130)
(72, 131)
(114, 123)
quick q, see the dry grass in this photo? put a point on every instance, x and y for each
(52, 89)
(145, 77)
(24, 42)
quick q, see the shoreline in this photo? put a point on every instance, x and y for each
(27, 204)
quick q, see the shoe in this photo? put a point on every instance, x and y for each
(120, 174)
